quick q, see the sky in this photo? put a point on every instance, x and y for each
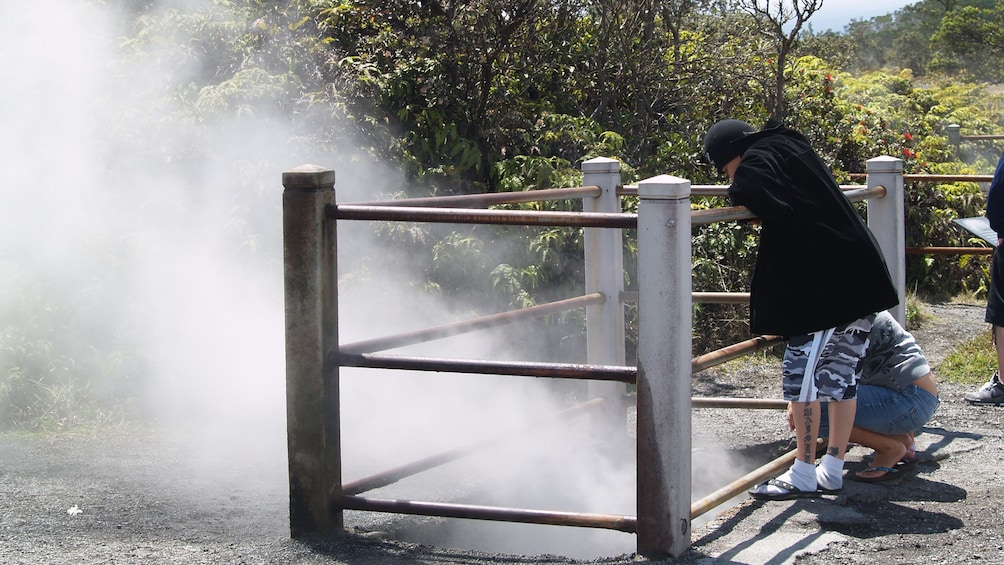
(835, 14)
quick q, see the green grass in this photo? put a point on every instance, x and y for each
(970, 363)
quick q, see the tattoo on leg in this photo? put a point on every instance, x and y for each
(831, 450)
(808, 440)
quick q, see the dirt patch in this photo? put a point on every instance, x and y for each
(140, 496)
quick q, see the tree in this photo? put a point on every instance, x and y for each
(781, 21)
(898, 40)
(971, 40)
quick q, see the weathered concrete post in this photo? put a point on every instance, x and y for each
(312, 412)
(664, 353)
(604, 257)
(887, 221)
(954, 132)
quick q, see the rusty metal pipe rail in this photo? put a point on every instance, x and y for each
(949, 250)
(468, 216)
(488, 199)
(480, 323)
(981, 137)
(726, 213)
(542, 218)
(720, 190)
(742, 484)
(627, 524)
(720, 297)
(695, 190)
(700, 297)
(395, 474)
(617, 373)
(934, 178)
(734, 351)
(747, 403)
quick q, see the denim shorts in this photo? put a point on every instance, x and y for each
(886, 411)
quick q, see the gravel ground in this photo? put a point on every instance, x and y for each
(141, 496)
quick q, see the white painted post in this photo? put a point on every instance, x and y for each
(664, 354)
(887, 221)
(604, 258)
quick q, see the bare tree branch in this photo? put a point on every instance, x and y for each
(781, 21)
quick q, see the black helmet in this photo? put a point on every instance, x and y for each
(720, 142)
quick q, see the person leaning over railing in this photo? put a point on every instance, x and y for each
(819, 280)
(993, 391)
(897, 395)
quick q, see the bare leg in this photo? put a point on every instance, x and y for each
(805, 417)
(889, 449)
(998, 340)
(841, 416)
(911, 450)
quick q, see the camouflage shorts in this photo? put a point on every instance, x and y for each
(833, 364)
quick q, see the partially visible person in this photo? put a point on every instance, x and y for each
(819, 280)
(897, 396)
(993, 391)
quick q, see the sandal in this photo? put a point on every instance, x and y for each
(792, 491)
(888, 473)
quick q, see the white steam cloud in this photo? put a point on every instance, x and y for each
(163, 236)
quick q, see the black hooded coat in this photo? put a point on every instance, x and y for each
(818, 265)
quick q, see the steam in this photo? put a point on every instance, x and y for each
(143, 227)
(162, 235)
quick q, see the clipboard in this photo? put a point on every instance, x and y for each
(979, 226)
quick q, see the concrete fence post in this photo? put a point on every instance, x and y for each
(604, 259)
(887, 221)
(311, 311)
(954, 132)
(664, 366)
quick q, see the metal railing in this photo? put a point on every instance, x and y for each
(955, 137)
(663, 387)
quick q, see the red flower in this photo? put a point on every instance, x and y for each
(907, 136)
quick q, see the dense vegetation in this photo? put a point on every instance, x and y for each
(504, 95)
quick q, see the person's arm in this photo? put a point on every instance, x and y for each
(755, 186)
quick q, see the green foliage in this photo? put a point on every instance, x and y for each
(884, 113)
(908, 38)
(930, 209)
(971, 40)
(724, 254)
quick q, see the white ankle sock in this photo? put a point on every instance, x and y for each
(830, 472)
(801, 475)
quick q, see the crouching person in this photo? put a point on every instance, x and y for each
(897, 396)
